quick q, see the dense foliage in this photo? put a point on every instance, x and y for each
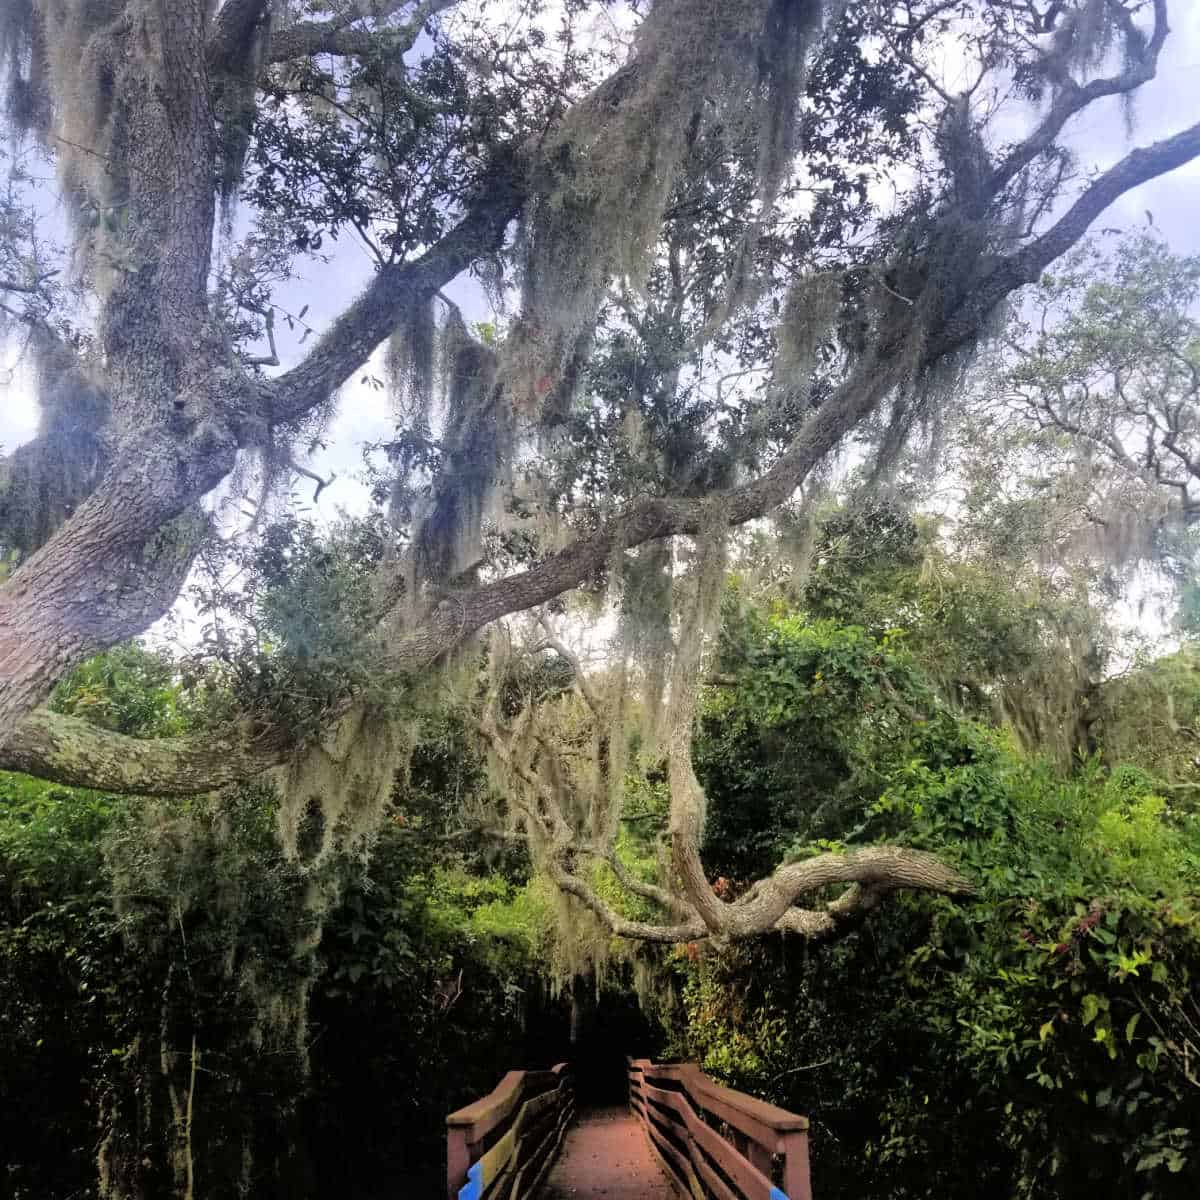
(157, 958)
(1037, 1042)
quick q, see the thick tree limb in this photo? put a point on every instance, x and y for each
(232, 29)
(876, 870)
(663, 897)
(645, 520)
(338, 37)
(641, 521)
(67, 750)
(158, 474)
(355, 335)
(645, 931)
(1026, 266)
(45, 479)
(1137, 167)
(872, 872)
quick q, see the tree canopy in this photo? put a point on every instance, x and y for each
(721, 242)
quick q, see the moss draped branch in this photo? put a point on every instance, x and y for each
(696, 912)
(67, 750)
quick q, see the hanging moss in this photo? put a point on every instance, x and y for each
(234, 99)
(603, 179)
(339, 786)
(453, 460)
(409, 366)
(201, 891)
(22, 66)
(41, 484)
(64, 88)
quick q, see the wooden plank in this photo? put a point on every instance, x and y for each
(541, 1158)
(750, 1181)
(763, 1122)
(711, 1180)
(542, 1162)
(753, 1131)
(685, 1177)
(677, 1162)
(494, 1161)
(481, 1117)
(797, 1182)
(522, 1098)
(679, 1186)
(669, 1101)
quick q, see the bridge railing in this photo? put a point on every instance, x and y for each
(501, 1146)
(718, 1144)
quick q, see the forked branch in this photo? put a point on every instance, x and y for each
(696, 911)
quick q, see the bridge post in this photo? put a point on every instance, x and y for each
(458, 1160)
(796, 1180)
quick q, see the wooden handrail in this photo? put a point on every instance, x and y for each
(503, 1143)
(716, 1143)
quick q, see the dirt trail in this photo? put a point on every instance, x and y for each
(606, 1154)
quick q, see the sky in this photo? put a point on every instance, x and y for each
(1165, 106)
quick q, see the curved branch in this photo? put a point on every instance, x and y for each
(876, 870)
(306, 38)
(842, 916)
(1137, 167)
(858, 396)
(460, 615)
(232, 29)
(643, 931)
(45, 479)
(1072, 99)
(647, 891)
(879, 871)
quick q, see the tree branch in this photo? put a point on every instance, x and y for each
(1072, 99)
(372, 317)
(306, 38)
(70, 751)
(1137, 167)
(232, 29)
(664, 898)
(874, 873)
(1026, 266)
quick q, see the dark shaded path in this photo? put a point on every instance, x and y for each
(605, 1154)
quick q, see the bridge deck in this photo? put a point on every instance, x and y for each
(605, 1154)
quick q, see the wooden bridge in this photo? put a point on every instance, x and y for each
(682, 1134)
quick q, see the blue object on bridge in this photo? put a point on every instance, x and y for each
(473, 1188)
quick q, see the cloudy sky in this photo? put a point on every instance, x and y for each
(1100, 137)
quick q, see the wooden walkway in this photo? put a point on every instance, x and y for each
(525, 1140)
(606, 1155)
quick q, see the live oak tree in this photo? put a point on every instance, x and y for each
(682, 203)
(1108, 389)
